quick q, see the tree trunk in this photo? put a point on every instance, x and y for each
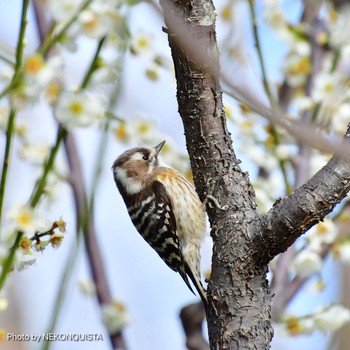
(239, 313)
(240, 304)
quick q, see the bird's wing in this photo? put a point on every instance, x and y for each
(157, 225)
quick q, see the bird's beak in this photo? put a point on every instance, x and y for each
(159, 147)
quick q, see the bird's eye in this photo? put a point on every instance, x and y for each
(145, 157)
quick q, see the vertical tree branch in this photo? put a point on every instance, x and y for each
(84, 214)
(239, 300)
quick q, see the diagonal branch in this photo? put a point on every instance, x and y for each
(294, 215)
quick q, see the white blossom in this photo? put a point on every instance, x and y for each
(63, 10)
(296, 68)
(4, 116)
(325, 85)
(36, 78)
(139, 130)
(318, 161)
(341, 251)
(24, 260)
(263, 200)
(272, 2)
(41, 224)
(266, 191)
(341, 118)
(114, 316)
(26, 219)
(283, 152)
(141, 43)
(100, 18)
(339, 29)
(104, 75)
(323, 233)
(79, 109)
(306, 263)
(87, 287)
(35, 152)
(332, 318)
(275, 17)
(53, 185)
(302, 103)
(260, 157)
(318, 286)
(291, 325)
(23, 218)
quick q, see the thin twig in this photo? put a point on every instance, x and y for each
(8, 264)
(94, 64)
(62, 291)
(48, 166)
(6, 162)
(273, 104)
(84, 215)
(50, 41)
(86, 219)
(11, 123)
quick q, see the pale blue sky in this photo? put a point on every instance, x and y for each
(152, 293)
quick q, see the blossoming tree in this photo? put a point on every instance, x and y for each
(291, 132)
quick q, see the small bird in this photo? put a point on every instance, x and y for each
(165, 209)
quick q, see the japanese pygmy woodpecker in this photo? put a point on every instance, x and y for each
(165, 209)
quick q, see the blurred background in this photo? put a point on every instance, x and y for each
(138, 89)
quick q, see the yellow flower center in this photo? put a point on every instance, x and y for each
(24, 219)
(61, 224)
(33, 65)
(293, 326)
(53, 91)
(25, 243)
(143, 128)
(121, 133)
(329, 88)
(76, 107)
(322, 228)
(226, 13)
(118, 306)
(301, 67)
(142, 42)
(92, 24)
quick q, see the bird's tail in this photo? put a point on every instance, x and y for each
(195, 278)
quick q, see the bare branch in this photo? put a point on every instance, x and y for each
(294, 215)
(84, 216)
(280, 284)
(192, 317)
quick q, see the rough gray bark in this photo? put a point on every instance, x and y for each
(239, 310)
(240, 303)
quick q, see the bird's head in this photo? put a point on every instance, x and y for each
(132, 167)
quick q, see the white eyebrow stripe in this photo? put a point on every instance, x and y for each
(137, 156)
